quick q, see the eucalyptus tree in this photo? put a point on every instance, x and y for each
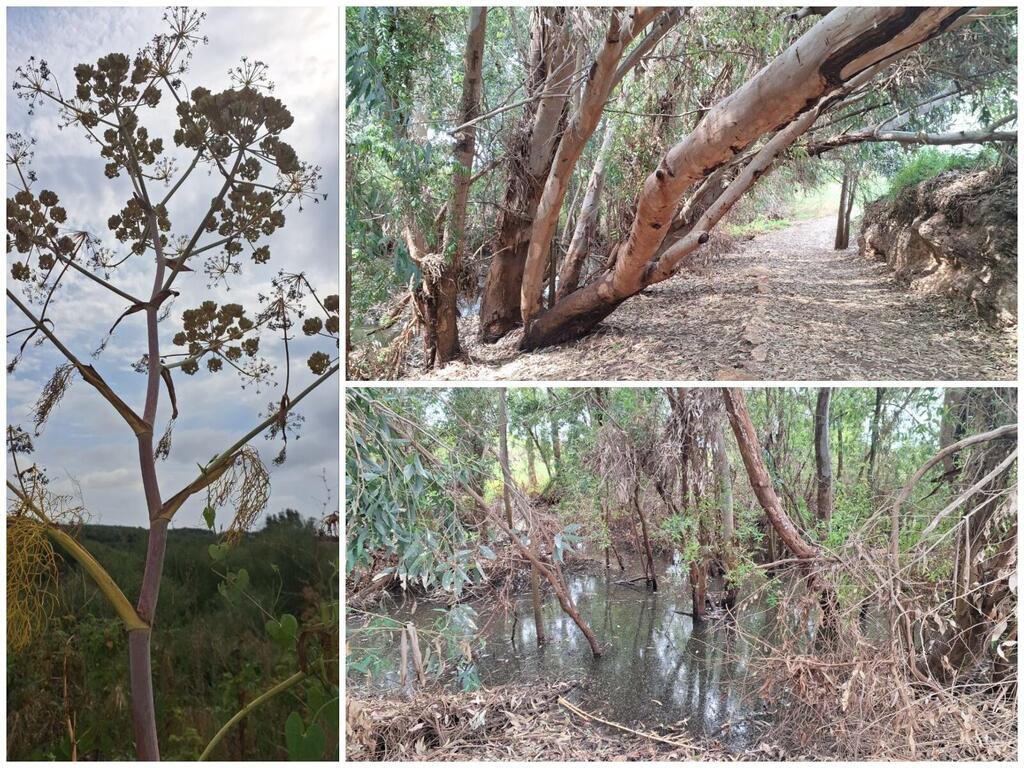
(236, 136)
(694, 114)
(837, 56)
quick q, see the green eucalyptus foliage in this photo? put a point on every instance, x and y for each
(400, 507)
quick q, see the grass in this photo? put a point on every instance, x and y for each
(927, 163)
(757, 226)
(817, 202)
(805, 205)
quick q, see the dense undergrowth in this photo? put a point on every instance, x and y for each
(68, 694)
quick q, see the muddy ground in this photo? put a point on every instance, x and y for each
(783, 306)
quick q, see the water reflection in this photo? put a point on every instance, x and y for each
(658, 668)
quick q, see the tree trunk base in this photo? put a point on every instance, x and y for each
(570, 319)
(499, 306)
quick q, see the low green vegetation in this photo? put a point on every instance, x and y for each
(233, 624)
(798, 205)
(929, 162)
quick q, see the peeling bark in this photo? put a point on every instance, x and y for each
(600, 81)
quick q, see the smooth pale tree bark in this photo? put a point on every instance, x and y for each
(839, 448)
(823, 455)
(816, 69)
(446, 330)
(850, 200)
(586, 224)
(762, 163)
(876, 418)
(531, 464)
(809, 10)
(847, 197)
(556, 440)
(841, 240)
(760, 481)
(661, 27)
(543, 453)
(600, 81)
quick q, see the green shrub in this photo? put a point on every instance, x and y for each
(927, 163)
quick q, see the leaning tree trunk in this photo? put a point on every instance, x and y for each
(557, 585)
(600, 81)
(446, 295)
(586, 224)
(760, 481)
(537, 185)
(846, 47)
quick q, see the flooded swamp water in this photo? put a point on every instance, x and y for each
(659, 670)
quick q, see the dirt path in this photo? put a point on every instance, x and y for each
(783, 307)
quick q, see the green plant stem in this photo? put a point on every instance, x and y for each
(284, 685)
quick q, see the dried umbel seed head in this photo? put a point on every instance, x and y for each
(319, 362)
(233, 118)
(132, 225)
(32, 223)
(217, 329)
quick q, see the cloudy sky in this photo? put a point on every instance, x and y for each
(84, 441)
